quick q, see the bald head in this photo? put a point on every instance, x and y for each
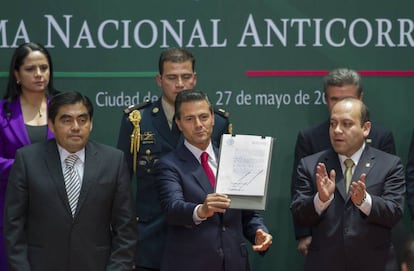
(349, 126)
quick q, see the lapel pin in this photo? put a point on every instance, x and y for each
(368, 165)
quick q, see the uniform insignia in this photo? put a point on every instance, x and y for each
(135, 118)
(222, 112)
(148, 138)
(133, 107)
(230, 128)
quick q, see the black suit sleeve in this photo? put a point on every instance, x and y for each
(387, 143)
(302, 149)
(17, 204)
(410, 177)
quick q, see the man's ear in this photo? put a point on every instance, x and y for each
(367, 128)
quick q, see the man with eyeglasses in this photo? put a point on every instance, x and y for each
(148, 132)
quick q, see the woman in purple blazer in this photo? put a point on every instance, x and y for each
(23, 118)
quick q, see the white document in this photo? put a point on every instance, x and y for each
(244, 166)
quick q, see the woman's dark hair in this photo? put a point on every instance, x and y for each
(14, 90)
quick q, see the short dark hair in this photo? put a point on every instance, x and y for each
(176, 55)
(190, 95)
(343, 77)
(13, 89)
(67, 98)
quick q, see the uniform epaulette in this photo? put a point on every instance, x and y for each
(222, 112)
(133, 107)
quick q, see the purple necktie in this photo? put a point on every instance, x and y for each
(207, 169)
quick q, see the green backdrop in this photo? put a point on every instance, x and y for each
(109, 51)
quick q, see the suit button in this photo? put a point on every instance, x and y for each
(137, 218)
(223, 228)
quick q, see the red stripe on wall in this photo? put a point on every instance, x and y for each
(275, 73)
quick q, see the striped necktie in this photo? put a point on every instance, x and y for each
(72, 182)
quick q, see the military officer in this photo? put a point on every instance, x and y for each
(148, 132)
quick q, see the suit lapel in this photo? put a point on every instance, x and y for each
(54, 166)
(332, 162)
(366, 162)
(92, 164)
(161, 124)
(195, 168)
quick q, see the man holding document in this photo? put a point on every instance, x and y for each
(203, 233)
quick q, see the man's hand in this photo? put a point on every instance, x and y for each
(214, 203)
(303, 245)
(357, 190)
(263, 241)
(325, 183)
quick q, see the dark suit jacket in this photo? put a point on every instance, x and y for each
(217, 243)
(316, 139)
(157, 140)
(40, 232)
(343, 237)
(13, 136)
(410, 178)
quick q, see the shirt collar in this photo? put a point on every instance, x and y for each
(197, 152)
(64, 154)
(355, 157)
(168, 111)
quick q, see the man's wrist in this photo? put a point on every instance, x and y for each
(199, 212)
(362, 201)
(324, 200)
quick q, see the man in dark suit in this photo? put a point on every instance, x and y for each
(338, 84)
(410, 179)
(63, 217)
(351, 231)
(203, 233)
(147, 133)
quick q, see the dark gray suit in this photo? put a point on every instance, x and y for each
(343, 237)
(42, 235)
